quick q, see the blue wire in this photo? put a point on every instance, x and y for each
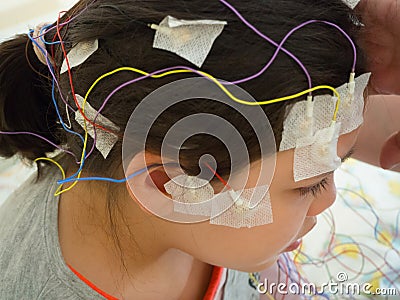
(141, 171)
(55, 103)
(70, 131)
(371, 209)
(73, 177)
(41, 36)
(326, 296)
(53, 91)
(82, 163)
(53, 88)
(59, 116)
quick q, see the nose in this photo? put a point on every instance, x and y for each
(309, 224)
(323, 202)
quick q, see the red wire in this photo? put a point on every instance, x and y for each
(219, 177)
(89, 283)
(349, 251)
(52, 49)
(71, 81)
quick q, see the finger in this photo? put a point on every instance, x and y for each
(390, 153)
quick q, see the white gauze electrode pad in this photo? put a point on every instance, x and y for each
(190, 190)
(191, 40)
(317, 154)
(351, 3)
(302, 129)
(105, 141)
(79, 54)
(194, 196)
(248, 208)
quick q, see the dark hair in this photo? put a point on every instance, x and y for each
(126, 40)
(25, 103)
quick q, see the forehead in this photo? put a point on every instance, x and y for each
(312, 127)
(350, 116)
(282, 174)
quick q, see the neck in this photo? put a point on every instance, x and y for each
(150, 265)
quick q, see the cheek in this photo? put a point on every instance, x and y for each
(241, 249)
(249, 249)
(289, 213)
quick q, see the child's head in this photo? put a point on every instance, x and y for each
(125, 39)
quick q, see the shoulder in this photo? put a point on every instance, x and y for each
(30, 261)
(22, 246)
(26, 203)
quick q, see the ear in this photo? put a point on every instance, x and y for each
(147, 188)
(157, 179)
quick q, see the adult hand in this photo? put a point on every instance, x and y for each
(381, 41)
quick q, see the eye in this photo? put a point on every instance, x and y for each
(315, 189)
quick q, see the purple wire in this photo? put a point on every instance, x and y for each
(280, 47)
(129, 83)
(69, 21)
(40, 137)
(56, 82)
(269, 40)
(348, 37)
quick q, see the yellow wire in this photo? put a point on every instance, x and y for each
(221, 87)
(82, 156)
(58, 165)
(206, 75)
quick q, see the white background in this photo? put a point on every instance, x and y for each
(18, 16)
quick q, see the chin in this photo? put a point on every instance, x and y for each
(259, 267)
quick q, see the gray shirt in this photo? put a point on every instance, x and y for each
(31, 263)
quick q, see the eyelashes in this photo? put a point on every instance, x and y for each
(315, 189)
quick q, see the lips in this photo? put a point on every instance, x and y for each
(293, 246)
